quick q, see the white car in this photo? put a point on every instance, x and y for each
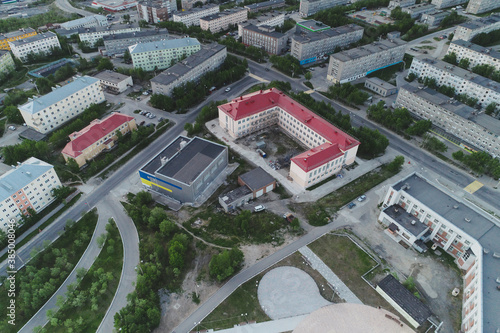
(362, 198)
(259, 208)
(228, 89)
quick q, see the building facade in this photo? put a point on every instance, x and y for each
(478, 130)
(114, 6)
(465, 82)
(6, 62)
(310, 7)
(156, 11)
(28, 185)
(188, 4)
(266, 5)
(185, 168)
(114, 82)
(208, 59)
(97, 137)
(466, 31)
(46, 113)
(40, 44)
(440, 4)
(460, 230)
(264, 37)
(330, 149)
(416, 11)
(482, 6)
(380, 87)
(15, 35)
(353, 64)
(221, 21)
(162, 54)
(272, 19)
(434, 19)
(85, 22)
(118, 44)
(477, 55)
(93, 35)
(401, 3)
(193, 16)
(313, 40)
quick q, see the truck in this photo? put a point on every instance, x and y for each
(261, 153)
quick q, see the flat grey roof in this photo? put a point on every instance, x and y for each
(491, 52)
(185, 66)
(369, 49)
(380, 83)
(169, 151)
(405, 299)
(111, 76)
(235, 194)
(273, 34)
(438, 14)
(405, 219)
(222, 14)
(163, 45)
(421, 6)
(265, 4)
(263, 17)
(194, 10)
(16, 33)
(34, 38)
(136, 34)
(113, 27)
(257, 178)
(192, 160)
(481, 22)
(306, 36)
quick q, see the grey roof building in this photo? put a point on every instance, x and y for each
(273, 19)
(477, 54)
(416, 11)
(380, 86)
(468, 30)
(255, 7)
(119, 43)
(264, 37)
(185, 168)
(482, 6)
(434, 19)
(310, 7)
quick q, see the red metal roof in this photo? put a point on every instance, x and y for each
(338, 141)
(94, 132)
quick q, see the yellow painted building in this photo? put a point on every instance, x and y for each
(15, 35)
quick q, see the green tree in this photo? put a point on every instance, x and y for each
(451, 58)
(464, 63)
(491, 108)
(126, 56)
(143, 24)
(433, 144)
(224, 265)
(105, 63)
(73, 165)
(308, 76)
(396, 164)
(13, 114)
(126, 18)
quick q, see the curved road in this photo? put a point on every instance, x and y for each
(65, 6)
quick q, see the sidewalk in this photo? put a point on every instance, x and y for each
(273, 326)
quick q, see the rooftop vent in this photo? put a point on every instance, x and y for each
(413, 222)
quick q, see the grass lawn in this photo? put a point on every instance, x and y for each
(387, 74)
(109, 261)
(18, 77)
(2, 126)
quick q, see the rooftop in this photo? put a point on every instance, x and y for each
(222, 14)
(113, 27)
(367, 50)
(263, 17)
(111, 76)
(481, 22)
(163, 45)
(421, 6)
(406, 220)
(405, 299)
(16, 33)
(195, 10)
(33, 39)
(313, 25)
(235, 194)
(439, 14)
(22, 175)
(135, 34)
(265, 4)
(256, 179)
(307, 35)
(264, 30)
(166, 154)
(40, 103)
(380, 83)
(93, 18)
(489, 51)
(94, 132)
(183, 67)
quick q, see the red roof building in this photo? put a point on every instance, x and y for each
(330, 148)
(96, 137)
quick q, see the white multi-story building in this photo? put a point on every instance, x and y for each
(272, 19)
(401, 3)
(162, 54)
(27, 186)
(310, 7)
(118, 44)
(156, 11)
(481, 6)
(50, 111)
(193, 16)
(465, 82)
(440, 4)
(86, 22)
(92, 35)
(41, 43)
(264, 37)
(476, 54)
(416, 11)
(355, 63)
(466, 31)
(6, 62)
(265, 5)
(221, 21)
(415, 204)
(434, 19)
(188, 4)
(314, 40)
(330, 149)
(209, 58)
(114, 82)
(478, 130)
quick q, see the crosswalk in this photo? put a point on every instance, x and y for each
(473, 187)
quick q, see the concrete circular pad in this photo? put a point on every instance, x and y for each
(288, 291)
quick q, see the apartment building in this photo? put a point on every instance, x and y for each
(440, 4)
(330, 149)
(353, 64)
(401, 3)
(50, 111)
(221, 21)
(458, 228)
(482, 6)
(192, 16)
(485, 90)
(433, 20)
(41, 43)
(477, 55)
(15, 35)
(314, 40)
(265, 38)
(114, 82)
(154, 11)
(310, 7)
(266, 5)
(188, 4)
(466, 31)
(27, 185)
(416, 11)
(208, 59)
(100, 135)
(85, 22)
(117, 44)
(6, 62)
(92, 35)
(477, 130)
(162, 54)
(272, 19)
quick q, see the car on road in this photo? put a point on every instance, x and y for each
(145, 93)
(12, 128)
(351, 205)
(259, 208)
(228, 89)
(362, 198)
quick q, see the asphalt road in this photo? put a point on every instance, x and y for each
(65, 6)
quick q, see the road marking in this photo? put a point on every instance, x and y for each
(258, 78)
(309, 91)
(473, 187)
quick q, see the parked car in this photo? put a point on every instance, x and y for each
(351, 205)
(259, 208)
(12, 128)
(228, 89)
(362, 198)
(145, 93)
